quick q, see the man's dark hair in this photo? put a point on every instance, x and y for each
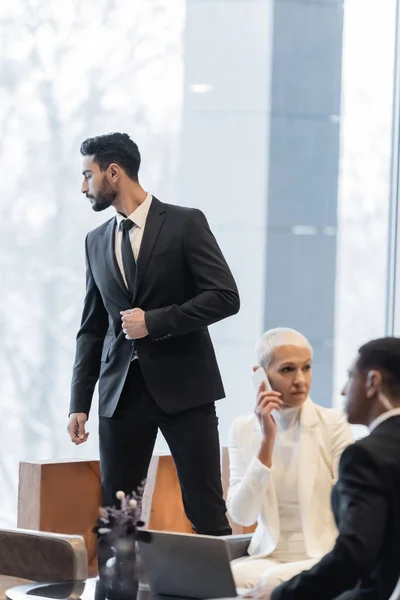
(114, 148)
(383, 355)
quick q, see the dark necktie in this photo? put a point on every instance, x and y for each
(128, 259)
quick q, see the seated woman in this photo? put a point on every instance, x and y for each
(283, 464)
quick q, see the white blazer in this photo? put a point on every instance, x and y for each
(252, 497)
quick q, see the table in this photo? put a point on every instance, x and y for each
(91, 589)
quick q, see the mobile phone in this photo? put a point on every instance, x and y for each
(258, 377)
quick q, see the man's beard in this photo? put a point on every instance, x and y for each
(104, 198)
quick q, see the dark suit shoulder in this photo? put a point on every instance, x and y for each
(387, 430)
(182, 217)
(98, 231)
(383, 443)
(181, 211)
(357, 452)
(379, 451)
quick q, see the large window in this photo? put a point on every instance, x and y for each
(68, 70)
(211, 94)
(365, 177)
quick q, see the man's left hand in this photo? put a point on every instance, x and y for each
(134, 324)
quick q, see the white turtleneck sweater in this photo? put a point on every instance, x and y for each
(291, 546)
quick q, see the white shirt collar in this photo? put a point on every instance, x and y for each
(139, 215)
(383, 417)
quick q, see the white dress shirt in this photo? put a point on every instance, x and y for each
(139, 217)
(383, 417)
(285, 469)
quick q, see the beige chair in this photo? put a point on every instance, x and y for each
(27, 556)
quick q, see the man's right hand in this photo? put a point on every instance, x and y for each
(76, 428)
(266, 402)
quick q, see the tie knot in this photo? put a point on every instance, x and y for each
(126, 224)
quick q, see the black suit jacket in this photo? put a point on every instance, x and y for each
(183, 284)
(365, 562)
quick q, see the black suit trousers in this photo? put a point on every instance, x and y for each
(127, 441)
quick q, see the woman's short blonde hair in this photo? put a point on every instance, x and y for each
(275, 338)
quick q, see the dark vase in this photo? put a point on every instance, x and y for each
(120, 573)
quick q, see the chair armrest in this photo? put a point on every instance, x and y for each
(237, 545)
(42, 556)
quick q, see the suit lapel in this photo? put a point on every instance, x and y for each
(111, 259)
(309, 454)
(154, 221)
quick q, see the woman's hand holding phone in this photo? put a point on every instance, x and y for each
(267, 400)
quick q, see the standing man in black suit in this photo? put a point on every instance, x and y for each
(365, 561)
(155, 280)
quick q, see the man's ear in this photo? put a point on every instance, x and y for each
(113, 171)
(373, 382)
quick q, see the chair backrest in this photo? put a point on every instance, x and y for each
(42, 556)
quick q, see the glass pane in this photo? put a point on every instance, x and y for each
(68, 70)
(364, 190)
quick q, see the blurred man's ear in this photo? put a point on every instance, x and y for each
(373, 382)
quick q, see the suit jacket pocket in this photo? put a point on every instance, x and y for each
(106, 348)
(191, 343)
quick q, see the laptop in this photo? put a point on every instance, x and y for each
(187, 565)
